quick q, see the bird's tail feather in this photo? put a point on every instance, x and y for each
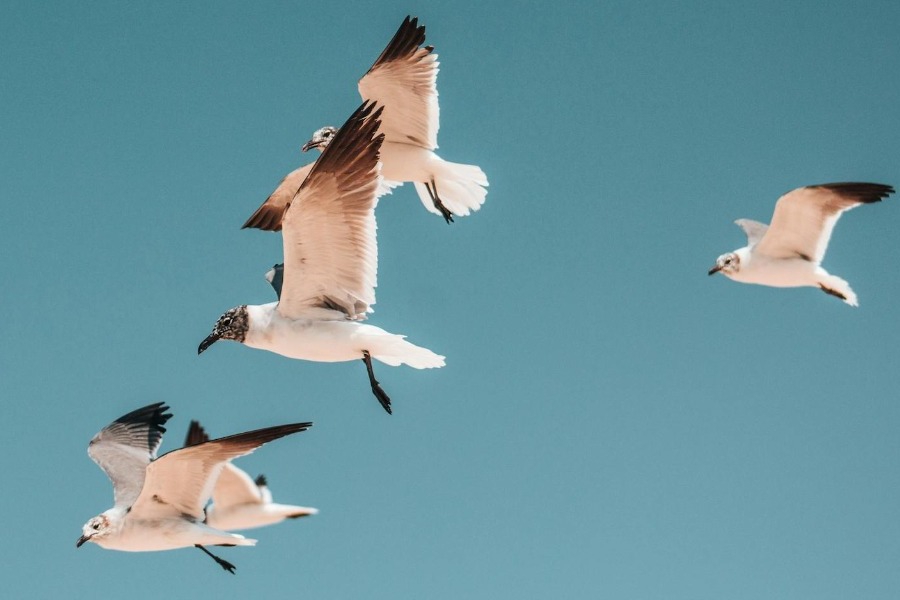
(461, 188)
(394, 350)
(835, 286)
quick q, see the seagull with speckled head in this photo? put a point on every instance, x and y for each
(330, 267)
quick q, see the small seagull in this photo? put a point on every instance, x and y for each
(788, 252)
(330, 266)
(404, 81)
(159, 502)
(275, 276)
(238, 501)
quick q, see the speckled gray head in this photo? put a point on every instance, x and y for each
(320, 139)
(232, 325)
(727, 263)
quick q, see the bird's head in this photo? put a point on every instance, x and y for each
(320, 139)
(232, 325)
(728, 264)
(95, 530)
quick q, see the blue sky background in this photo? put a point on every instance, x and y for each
(611, 423)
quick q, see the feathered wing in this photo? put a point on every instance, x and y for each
(233, 486)
(805, 217)
(330, 252)
(404, 81)
(125, 448)
(754, 230)
(180, 482)
(268, 216)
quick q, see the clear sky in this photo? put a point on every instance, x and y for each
(611, 422)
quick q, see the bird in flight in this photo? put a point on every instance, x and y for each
(789, 252)
(330, 267)
(403, 80)
(159, 502)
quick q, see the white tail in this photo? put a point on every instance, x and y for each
(394, 350)
(835, 286)
(461, 188)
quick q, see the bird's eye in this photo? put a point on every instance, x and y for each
(96, 526)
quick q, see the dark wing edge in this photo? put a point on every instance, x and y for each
(195, 435)
(132, 428)
(266, 217)
(865, 193)
(355, 146)
(406, 41)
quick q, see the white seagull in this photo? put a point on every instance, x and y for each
(788, 252)
(330, 265)
(238, 501)
(159, 502)
(403, 80)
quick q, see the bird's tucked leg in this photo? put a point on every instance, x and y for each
(832, 292)
(222, 562)
(376, 389)
(432, 191)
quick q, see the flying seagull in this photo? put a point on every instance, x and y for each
(240, 502)
(159, 502)
(788, 252)
(403, 80)
(330, 265)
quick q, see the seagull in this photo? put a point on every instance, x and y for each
(404, 81)
(330, 265)
(788, 252)
(238, 501)
(159, 502)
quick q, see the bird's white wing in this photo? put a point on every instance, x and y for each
(330, 252)
(404, 81)
(125, 447)
(235, 487)
(754, 230)
(805, 217)
(268, 216)
(181, 482)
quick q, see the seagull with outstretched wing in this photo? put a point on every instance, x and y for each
(159, 502)
(788, 252)
(330, 267)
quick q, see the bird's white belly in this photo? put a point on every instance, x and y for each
(150, 536)
(784, 272)
(305, 339)
(405, 162)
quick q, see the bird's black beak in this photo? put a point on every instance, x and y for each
(715, 270)
(81, 541)
(309, 146)
(209, 341)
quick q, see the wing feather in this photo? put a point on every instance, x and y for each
(330, 252)
(805, 217)
(125, 447)
(268, 216)
(181, 482)
(404, 81)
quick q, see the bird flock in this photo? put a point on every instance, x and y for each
(325, 288)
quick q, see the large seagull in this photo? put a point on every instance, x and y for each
(330, 265)
(159, 502)
(403, 80)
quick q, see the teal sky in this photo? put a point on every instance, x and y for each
(611, 423)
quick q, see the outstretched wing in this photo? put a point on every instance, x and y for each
(754, 230)
(404, 81)
(125, 447)
(181, 482)
(330, 252)
(805, 217)
(268, 216)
